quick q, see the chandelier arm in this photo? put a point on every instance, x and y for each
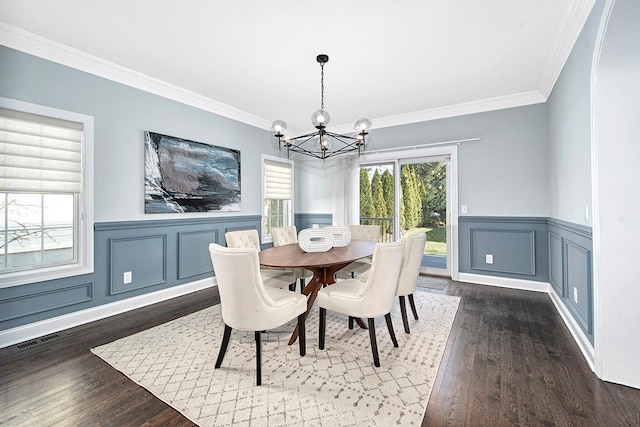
(298, 149)
(340, 136)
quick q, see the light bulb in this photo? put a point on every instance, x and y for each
(324, 143)
(362, 124)
(320, 118)
(278, 127)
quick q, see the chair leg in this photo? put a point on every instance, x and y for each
(301, 280)
(413, 307)
(403, 311)
(258, 358)
(392, 333)
(374, 344)
(301, 335)
(292, 286)
(323, 324)
(225, 344)
(350, 322)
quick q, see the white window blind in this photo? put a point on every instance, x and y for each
(278, 181)
(39, 154)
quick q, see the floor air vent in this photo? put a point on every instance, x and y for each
(27, 344)
(49, 337)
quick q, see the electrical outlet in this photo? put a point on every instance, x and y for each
(126, 277)
(575, 294)
(489, 259)
(464, 209)
(586, 213)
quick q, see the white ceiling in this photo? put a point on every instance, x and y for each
(252, 60)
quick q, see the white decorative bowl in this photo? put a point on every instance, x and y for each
(341, 236)
(315, 240)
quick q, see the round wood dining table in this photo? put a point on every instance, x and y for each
(324, 266)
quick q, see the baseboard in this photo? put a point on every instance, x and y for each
(34, 330)
(576, 331)
(504, 282)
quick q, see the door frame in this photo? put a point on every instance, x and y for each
(404, 154)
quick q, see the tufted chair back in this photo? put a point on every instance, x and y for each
(411, 261)
(272, 277)
(243, 239)
(284, 235)
(365, 232)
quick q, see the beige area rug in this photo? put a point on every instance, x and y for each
(432, 282)
(338, 386)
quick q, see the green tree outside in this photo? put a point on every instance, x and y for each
(379, 205)
(366, 198)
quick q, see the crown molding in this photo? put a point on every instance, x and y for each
(41, 47)
(480, 106)
(572, 23)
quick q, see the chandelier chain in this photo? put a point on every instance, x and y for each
(322, 86)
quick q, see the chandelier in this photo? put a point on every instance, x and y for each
(322, 144)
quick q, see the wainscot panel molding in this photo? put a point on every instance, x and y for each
(145, 256)
(192, 262)
(161, 254)
(307, 220)
(555, 268)
(570, 270)
(514, 251)
(518, 245)
(28, 304)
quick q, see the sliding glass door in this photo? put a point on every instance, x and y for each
(424, 207)
(410, 195)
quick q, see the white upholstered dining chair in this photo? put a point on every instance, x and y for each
(408, 280)
(285, 236)
(247, 304)
(272, 277)
(362, 232)
(369, 299)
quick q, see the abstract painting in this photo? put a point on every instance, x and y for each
(187, 176)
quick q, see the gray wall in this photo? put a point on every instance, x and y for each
(570, 130)
(503, 174)
(121, 115)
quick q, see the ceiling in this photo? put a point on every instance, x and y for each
(255, 61)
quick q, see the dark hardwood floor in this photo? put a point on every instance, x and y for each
(510, 361)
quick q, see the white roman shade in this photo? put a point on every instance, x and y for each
(278, 180)
(39, 154)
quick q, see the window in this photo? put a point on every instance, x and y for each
(46, 229)
(277, 193)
